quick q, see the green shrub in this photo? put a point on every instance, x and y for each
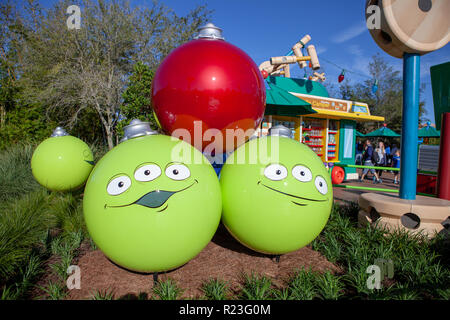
(102, 295)
(167, 290)
(25, 279)
(215, 289)
(54, 290)
(302, 287)
(67, 208)
(256, 287)
(420, 265)
(23, 225)
(16, 178)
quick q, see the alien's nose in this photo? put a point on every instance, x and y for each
(155, 198)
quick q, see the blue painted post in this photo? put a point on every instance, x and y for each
(410, 114)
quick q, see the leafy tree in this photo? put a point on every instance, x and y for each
(137, 97)
(18, 120)
(74, 75)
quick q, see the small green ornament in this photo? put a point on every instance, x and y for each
(62, 162)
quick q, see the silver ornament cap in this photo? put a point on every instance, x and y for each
(209, 31)
(59, 132)
(280, 131)
(137, 128)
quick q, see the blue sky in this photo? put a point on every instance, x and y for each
(264, 28)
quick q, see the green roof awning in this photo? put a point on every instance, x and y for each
(429, 132)
(296, 85)
(359, 134)
(383, 132)
(281, 103)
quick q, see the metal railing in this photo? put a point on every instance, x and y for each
(379, 189)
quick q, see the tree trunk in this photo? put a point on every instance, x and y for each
(109, 138)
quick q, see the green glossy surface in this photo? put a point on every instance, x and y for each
(282, 103)
(154, 225)
(62, 163)
(274, 216)
(298, 85)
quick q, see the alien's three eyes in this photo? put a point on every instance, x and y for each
(145, 173)
(278, 172)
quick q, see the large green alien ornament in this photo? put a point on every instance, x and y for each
(62, 162)
(150, 208)
(277, 195)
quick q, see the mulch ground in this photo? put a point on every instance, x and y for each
(223, 258)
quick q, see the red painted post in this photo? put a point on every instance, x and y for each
(443, 183)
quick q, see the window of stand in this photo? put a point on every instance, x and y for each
(288, 124)
(314, 135)
(333, 140)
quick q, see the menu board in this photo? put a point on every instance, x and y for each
(327, 103)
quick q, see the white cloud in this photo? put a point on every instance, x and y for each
(349, 33)
(355, 50)
(360, 61)
(320, 50)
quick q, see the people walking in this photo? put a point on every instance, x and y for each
(380, 159)
(388, 155)
(367, 160)
(396, 164)
(359, 153)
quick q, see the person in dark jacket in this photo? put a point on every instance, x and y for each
(359, 153)
(367, 160)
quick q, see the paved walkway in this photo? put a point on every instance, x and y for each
(352, 195)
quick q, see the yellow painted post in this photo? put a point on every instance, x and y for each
(298, 129)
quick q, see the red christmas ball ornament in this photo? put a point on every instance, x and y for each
(265, 74)
(341, 76)
(208, 83)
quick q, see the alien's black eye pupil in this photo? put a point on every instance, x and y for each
(278, 172)
(302, 173)
(147, 172)
(120, 184)
(320, 183)
(175, 172)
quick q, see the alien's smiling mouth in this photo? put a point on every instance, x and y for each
(154, 199)
(291, 195)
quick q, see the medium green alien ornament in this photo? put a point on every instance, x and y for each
(149, 207)
(277, 195)
(62, 162)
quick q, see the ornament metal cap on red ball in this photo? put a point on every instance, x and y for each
(208, 83)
